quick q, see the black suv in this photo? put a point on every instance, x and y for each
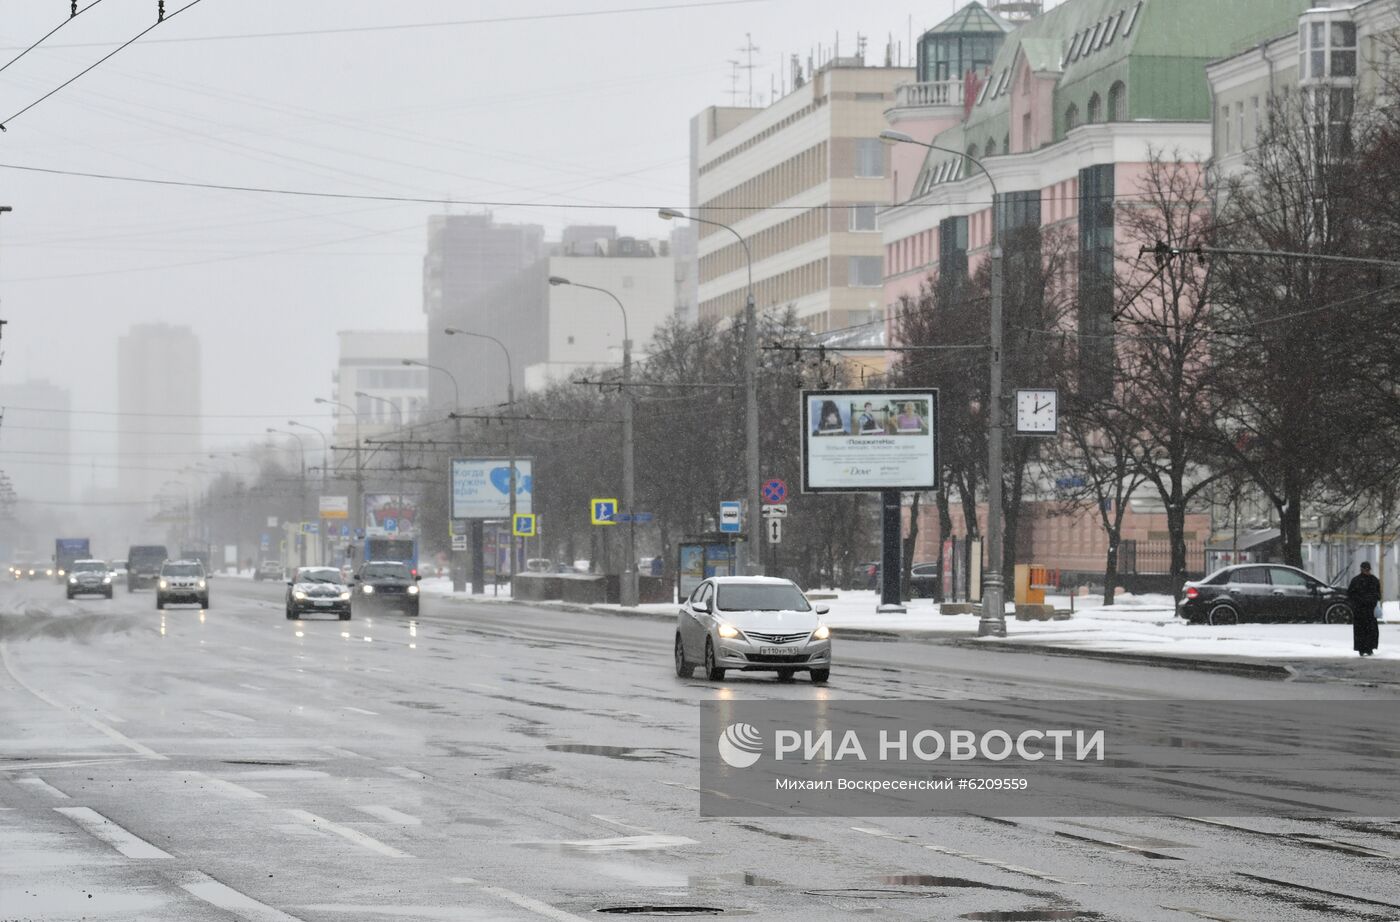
(143, 562)
(1262, 592)
(386, 585)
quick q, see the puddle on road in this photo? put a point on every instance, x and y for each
(420, 705)
(1032, 915)
(930, 880)
(873, 893)
(528, 772)
(785, 836)
(625, 753)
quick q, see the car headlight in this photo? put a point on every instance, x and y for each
(62, 572)
(345, 596)
(73, 580)
(106, 580)
(299, 595)
(728, 630)
(48, 572)
(412, 590)
(822, 632)
(201, 584)
(162, 584)
(369, 590)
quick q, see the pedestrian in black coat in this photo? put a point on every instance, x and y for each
(1364, 592)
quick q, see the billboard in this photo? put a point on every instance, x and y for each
(390, 513)
(866, 440)
(481, 487)
(335, 507)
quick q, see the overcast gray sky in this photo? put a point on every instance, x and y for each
(544, 106)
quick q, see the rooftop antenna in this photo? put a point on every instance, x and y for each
(748, 50)
(860, 48)
(733, 83)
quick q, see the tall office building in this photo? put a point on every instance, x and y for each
(158, 396)
(801, 180)
(468, 256)
(34, 441)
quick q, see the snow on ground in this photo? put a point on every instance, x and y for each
(1143, 624)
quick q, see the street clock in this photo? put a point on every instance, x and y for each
(1036, 411)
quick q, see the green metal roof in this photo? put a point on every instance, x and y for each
(972, 19)
(1158, 49)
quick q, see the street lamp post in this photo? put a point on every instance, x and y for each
(325, 463)
(357, 513)
(993, 620)
(510, 451)
(458, 580)
(301, 485)
(398, 417)
(755, 500)
(629, 572)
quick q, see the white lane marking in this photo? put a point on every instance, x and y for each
(251, 687)
(228, 715)
(521, 900)
(128, 843)
(408, 773)
(97, 725)
(360, 710)
(352, 835)
(44, 786)
(611, 821)
(647, 843)
(71, 763)
(221, 896)
(343, 753)
(967, 856)
(390, 815)
(222, 786)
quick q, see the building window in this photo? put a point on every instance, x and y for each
(1095, 109)
(1026, 132)
(862, 217)
(1115, 101)
(1132, 18)
(972, 156)
(1113, 28)
(1095, 42)
(1254, 133)
(952, 250)
(991, 148)
(1071, 118)
(1239, 122)
(870, 157)
(1225, 122)
(1343, 51)
(865, 272)
(1096, 279)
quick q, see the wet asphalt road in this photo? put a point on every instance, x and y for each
(492, 762)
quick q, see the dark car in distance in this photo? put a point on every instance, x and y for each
(318, 589)
(386, 585)
(143, 563)
(1262, 592)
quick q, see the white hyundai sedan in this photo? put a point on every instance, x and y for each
(752, 623)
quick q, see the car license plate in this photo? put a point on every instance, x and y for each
(323, 603)
(775, 651)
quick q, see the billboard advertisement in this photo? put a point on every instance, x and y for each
(335, 507)
(390, 513)
(866, 440)
(481, 487)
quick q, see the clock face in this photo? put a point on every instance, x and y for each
(1036, 411)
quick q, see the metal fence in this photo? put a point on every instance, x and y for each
(1155, 557)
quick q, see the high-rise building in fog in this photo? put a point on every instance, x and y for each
(158, 396)
(34, 440)
(468, 256)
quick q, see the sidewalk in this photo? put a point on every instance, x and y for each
(1135, 628)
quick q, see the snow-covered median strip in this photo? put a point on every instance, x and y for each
(1133, 624)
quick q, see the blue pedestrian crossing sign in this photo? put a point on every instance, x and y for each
(604, 511)
(524, 526)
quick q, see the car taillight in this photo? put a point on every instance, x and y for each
(1192, 592)
(414, 571)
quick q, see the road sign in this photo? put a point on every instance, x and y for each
(310, 528)
(264, 542)
(459, 542)
(524, 526)
(775, 511)
(345, 531)
(775, 531)
(729, 522)
(773, 491)
(604, 511)
(391, 524)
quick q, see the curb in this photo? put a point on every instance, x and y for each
(1230, 667)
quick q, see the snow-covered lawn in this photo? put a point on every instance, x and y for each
(1133, 624)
